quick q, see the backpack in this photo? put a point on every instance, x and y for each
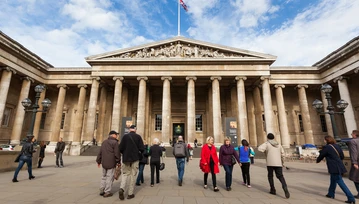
(180, 150)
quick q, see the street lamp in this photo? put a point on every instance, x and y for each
(341, 105)
(46, 103)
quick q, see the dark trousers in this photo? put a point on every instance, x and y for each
(59, 158)
(141, 167)
(252, 160)
(278, 173)
(153, 166)
(214, 181)
(228, 169)
(245, 173)
(357, 187)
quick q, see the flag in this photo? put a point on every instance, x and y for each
(184, 5)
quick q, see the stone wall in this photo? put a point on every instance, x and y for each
(7, 159)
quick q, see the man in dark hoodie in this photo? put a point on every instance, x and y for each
(274, 152)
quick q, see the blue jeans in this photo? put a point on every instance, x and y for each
(180, 167)
(22, 161)
(59, 157)
(141, 167)
(337, 179)
(228, 169)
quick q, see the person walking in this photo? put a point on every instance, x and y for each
(131, 147)
(209, 162)
(180, 152)
(190, 150)
(251, 156)
(26, 157)
(244, 157)
(195, 142)
(274, 153)
(41, 154)
(334, 155)
(226, 156)
(156, 154)
(354, 157)
(60, 147)
(109, 157)
(142, 163)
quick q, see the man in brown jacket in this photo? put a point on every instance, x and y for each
(354, 157)
(109, 157)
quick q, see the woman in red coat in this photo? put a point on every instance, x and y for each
(209, 162)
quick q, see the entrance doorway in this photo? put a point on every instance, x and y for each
(178, 129)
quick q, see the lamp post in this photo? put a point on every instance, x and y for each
(46, 103)
(341, 105)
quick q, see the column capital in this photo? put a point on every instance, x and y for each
(216, 77)
(28, 79)
(62, 86)
(142, 78)
(301, 86)
(82, 85)
(340, 78)
(166, 77)
(96, 78)
(241, 77)
(356, 70)
(265, 77)
(191, 78)
(279, 86)
(118, 78)
(9, 69)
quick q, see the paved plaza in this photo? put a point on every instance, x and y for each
(79, 182)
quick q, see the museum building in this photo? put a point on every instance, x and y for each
(178, 86)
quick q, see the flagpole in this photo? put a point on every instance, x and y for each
(179, 16)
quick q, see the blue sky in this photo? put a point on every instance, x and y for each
(64, 32)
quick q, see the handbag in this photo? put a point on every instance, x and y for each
(162, 165)
(117, 173)
(234, 161)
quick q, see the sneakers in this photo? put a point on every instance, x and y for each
(121, 194)
(216, 189)
(286, 192)
(108, 194)
(130, 196)
(180, 183)
(249, 186)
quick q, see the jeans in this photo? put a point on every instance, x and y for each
(155, 165)
(279, 174)
(141, 167)
(228, 169)
(22, 161)
(337, 179)
(245, 173)
(59, 157)
(180, 167)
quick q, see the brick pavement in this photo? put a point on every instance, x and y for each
(79, 181)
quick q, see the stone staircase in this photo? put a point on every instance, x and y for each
(91, 151)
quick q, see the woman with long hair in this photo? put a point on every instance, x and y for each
(334, 156)
(42, 154)
(226, 156)
(209, 162)
(244, 158)
(156, 154)
(26, 157)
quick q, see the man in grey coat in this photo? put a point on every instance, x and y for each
(354, 157)
(109, 157)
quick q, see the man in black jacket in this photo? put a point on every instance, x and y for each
(109, 157)
(60, 147)
(131, 148)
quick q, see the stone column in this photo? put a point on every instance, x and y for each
(261, 137)
(116, 110)
(251, 119)
(4, 88)
(101, 115)
(328, 122)
(56, 123)
(166, 109)
(191, 109)
(141, 106)
(76, 143)
(303, 102)
(349, 111)
(20, 112)
(283, 124)
(38, 118)
(91, 112)
(267, 103)
(216, 106)
(242, 108)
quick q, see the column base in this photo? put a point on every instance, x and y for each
(75, 149)
(15, 142)
(50, 148)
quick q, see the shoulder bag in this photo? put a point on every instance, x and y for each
(140, 156)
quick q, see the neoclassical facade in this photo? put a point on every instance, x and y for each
(177, 86)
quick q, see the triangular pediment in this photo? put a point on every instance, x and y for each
(180, 48)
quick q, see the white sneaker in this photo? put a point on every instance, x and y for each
(249, 186)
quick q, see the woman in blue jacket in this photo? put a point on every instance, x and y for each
(334, 156)
(245, 162)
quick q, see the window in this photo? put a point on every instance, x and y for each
(264, 122)
(323, 123)
(62, 121)
(6, 117)
(158, 123)
(300, 123)
(96, 121)
(42, 122)
(199, 123)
